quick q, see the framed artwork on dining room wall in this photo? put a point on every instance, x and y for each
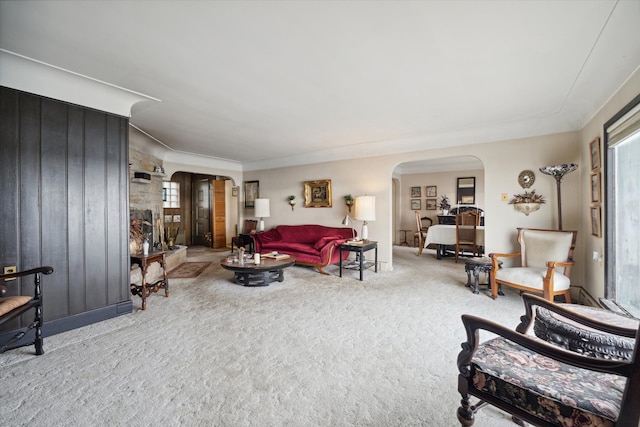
(416, 204)
(594, 150)
(431, 204)
(595, 187)
(596, 229)
(432, 191)
(416, 192)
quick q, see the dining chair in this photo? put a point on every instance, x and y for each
(422, 226)
(466, 236)
(244, 238)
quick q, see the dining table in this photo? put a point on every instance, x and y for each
(443, 235)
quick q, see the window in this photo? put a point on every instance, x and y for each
(170, 194)
(622, 139)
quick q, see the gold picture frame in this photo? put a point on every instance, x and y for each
(595, 187)
(432, 191)
(317, 194)
(594, 150)
(596, 226)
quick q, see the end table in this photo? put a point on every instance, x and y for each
(360, 248)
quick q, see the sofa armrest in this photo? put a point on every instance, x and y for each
(327, 250)
(265, 237)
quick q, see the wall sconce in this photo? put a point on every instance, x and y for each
(348, 200)
(291, 201)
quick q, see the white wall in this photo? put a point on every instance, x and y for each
(594, 271)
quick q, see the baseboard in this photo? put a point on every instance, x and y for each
(583, 297)
(75, 321)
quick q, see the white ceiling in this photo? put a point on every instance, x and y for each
(275, 83)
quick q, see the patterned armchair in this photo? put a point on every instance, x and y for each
(542, 383)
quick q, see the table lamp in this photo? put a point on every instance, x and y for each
(262, 211)
(346, 221)
(365, 211)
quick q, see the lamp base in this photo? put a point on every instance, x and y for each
(365, 232)
(261, 225)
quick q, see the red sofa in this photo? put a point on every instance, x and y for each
(313, 245)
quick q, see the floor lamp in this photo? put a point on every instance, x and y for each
(558, 172)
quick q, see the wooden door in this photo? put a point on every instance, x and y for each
(219, 215)
(201, 212)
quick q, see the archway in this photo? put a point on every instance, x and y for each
(412, 180)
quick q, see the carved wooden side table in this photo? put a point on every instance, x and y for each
(144, 289)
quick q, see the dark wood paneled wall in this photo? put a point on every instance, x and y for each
(64, 198)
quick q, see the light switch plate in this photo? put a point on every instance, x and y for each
(9, 270)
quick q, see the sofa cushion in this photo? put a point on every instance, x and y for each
(291, 248)
(310, 233)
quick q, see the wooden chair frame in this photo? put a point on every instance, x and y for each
(34, 303)
(421, 233)
(466, 225)
(629, 410)
(548, 286)
(243, 238)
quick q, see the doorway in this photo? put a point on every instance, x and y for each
(202, 211)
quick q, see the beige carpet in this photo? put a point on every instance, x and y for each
(313, 350)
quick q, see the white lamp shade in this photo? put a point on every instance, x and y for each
(365, 208)
(262, 208)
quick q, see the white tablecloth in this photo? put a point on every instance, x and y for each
(443, 234)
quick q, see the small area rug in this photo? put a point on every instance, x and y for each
(188, 270)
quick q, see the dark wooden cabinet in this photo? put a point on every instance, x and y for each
(65, 203)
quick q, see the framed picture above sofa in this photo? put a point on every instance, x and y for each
(317, 194)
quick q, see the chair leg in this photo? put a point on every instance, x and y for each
(38, 330)
(567, 296)
(494, 285)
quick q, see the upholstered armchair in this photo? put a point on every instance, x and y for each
(13, 305)
(546, 257)
(542, 383)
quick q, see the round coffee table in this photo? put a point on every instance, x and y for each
(250, 274)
